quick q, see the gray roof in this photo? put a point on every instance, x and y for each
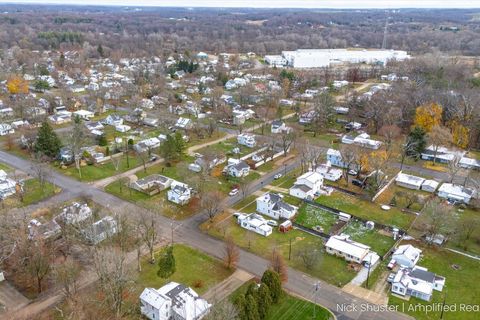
(423, 275)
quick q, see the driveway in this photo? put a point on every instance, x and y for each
(10, 298)
(228, 286)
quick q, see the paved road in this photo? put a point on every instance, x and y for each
(188, 232)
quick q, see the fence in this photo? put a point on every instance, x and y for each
(322, 235)
(385, 187)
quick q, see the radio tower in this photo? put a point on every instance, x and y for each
(385, 32)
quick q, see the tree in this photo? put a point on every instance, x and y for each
(438, 137)
(77, 139)
(251, 308)
(415, 143)
(39, 262)
(211, 203)
(428, 116)
(41, 85)
(264, 300)
(166, 263)
(465, 229)
(324, 113)
(438, 219)
(272, 280)
(277, 264)
(149, 233)
(223, 310)
(309, 256)
(100, 51)
(453, 167)
(66, 275)
(410, 198)
(349, 156)
(47, 142)
(287, 138)
(231, 254)
(17, 85)
(390, 133)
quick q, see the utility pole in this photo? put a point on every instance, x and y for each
(443, 304)
(315, 304)
(290, 249)
(385, 31)
(368, 273)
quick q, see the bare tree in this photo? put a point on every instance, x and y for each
(349, 159)
(438, 218)
(438, 137)
(310, 256)
(66, 275)
(211, 203)
(231, 254)
(39, 262)
(149, 233)
(453, 167)
(277, 264)
(77, 138)
(223, 310)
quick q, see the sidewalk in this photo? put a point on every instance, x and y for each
(227, 286)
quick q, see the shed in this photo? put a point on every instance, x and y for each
(430, 185)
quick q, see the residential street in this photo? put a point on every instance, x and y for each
(188, 232)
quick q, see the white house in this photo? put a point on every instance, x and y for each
(328, 172)
(153, 181)
(443, 155)
(147, 144)
(409, 181)
(5, 129)
(278, 126)
(307, 185)
(100, 230)
(417, 282)
(179, 193)
(7, 185)
(272, 205)
(363, 140)
(237, 168)
(84, 114)
(430, 185)
(114, 120)
(173, 301)
(469, 163)
(184, 123)
(255, 223)
(123, 128)
(75, 213)
(455, 192)
(406, 255)
(247, 140)
(343, 246)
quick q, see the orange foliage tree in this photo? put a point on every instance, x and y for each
(428, 116)
(460, 134)
(16, 85)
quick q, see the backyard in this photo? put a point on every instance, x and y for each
(310, 216)
(366, 210)
(378, 242)
(33, 192)
(327, 267)
(461, 287)
(193, 268)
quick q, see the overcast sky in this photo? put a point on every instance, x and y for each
(345, 4)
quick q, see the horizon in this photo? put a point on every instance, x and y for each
(266, 4)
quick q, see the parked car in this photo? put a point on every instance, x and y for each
(391, 264)
(234, 192)
(153, 158)
(352, 172)
(277, 176)
(390, 278)
(272, 223)
(358, 183)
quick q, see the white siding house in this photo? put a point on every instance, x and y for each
(179, 193)
(406, 255)
(307, 185)
(255, 223)
(350, 250)
(417, 282)
(455, 192)
(409, 181)
(272, 205)
(247, 140)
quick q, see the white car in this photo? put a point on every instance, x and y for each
(234, 192)
(277, 176)
(272, 223)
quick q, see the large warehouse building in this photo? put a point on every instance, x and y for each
(317, 58)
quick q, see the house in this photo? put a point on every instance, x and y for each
(65, 154)
(179, 193)
(43, 231)
(247, 140)
(173, 301)
(272, 205)
(328, 172)
(341, 110)
(147, 145)
(60, 118)
(417, 282)
(469, 163)
(6, 112)
(84, 114)
(151, 122)
(430, 186)
(406, 255)
(113, 120)
(94, 125)
(343, 246)
(409, 181)
(255, 223)
(456, 193)
(443, 155)
(122, 128)
(362, 140)
(100, 230)
(5, 129)
(152, 182)
(184, 123)
(307, 185)
(237, 168)
(278, 126)
(75, 213)
(334, 157)
(353, 126)
(7, 185)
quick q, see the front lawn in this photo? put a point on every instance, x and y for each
(328, 268)
(33, 192)
(461, 285)
(193, 268)
(100, 171)
(290, 307)
(366, 210)
(378, 242)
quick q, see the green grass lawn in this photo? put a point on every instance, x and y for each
(471, 245)
(378, 242)
(101, 171)
(310, 216)
(34, 192)
(4, 167)
(461, 286)
(225, 147)
(193, 268)
(366, 210)
(290, 307)
(329, 268)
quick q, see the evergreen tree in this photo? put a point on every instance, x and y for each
(100, 50)
(179, 144)
(264, 300)
(47, 142)
(416, 142)
(272, 280)
(166, 263)
(251, 308)
(240, 302)
(102, 140)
